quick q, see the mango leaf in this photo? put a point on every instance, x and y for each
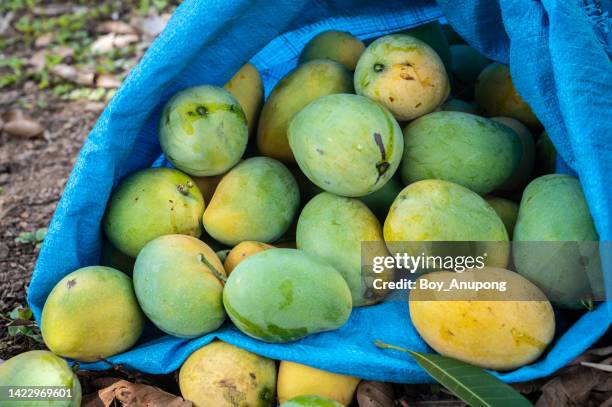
(471, 384)
(21, 313)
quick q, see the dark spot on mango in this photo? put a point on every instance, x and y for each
(418, 104)
(379, 67)
(391, 99)
(201, 110)
(321, 152)
(380, 144)
(71, 283)
(406, 76)
(382, 167)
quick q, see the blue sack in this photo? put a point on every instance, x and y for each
(560, 58)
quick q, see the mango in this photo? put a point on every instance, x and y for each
(222, 375)
(467, 65)
(432, 34)
(506, 210)
(333, 228)
(380, 201)
(296, 380)
(241, 251)
(496, 96)
(469, 150)
(484, 328)
(309, 81)
(246, 86)
(203, 130)
(346, 144)
(111, 257)
(178, 281)
(256, 200)
(40, 368)
(441, 211)
(339, 46)
(152, 203)
(554, 209)
(524, 170)
(458, 105)
(546, 155)
(92, 314)
(281, 295)
(310, 401)
(403, 74)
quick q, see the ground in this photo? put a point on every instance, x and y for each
(59, 65)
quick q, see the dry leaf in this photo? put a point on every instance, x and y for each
(375, 394)
(24, 128)
(132, 395)
(122, 41)
(5, 22)
(44, 40)
(72, 74)
(151, 25)
(111, 41)
(600, 366)
(116, 27)
(55, 10)
(572, 386)
(107, 81)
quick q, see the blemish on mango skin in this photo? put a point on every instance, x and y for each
(521, 337)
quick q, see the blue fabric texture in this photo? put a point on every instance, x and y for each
(560, 58)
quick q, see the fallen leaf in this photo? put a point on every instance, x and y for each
(601, 351)
(107, 81)
(5, 22)
(573, 386)
(52, 10)
(600, 366)
(122, 41)
(24, 128)
(12, 114)
(95, 107)
(151, 25)
(108, 42)
(132, 395)
(44, 40)
(72, 74)
(116, 27)
(375, 394)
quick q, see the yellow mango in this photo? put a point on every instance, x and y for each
(246, 86)
(241, 251)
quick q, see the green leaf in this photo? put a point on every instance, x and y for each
(20, 312)
(471, 384)
(40, 234)
(25, 237)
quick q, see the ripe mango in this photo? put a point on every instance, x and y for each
(554, 209)
(222, 375)
(256, 200)
(246, 86)
(484, 328)
(203, 131)
(496, 96)
(39, 368)
(178, 281)
(310, 401)
(506, 210)
(339, 46)
(380, 201)
(241, 251)
(333, 228)
(291, 94)
(472, 151)
(346, 144)
(432, 34)
(403, 74)
(467, 65)
(281, 295)
(152, 203)
(441, 211)
(524, 170)
(296, 380)
(92, 314)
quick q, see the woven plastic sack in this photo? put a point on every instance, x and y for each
(560, 64)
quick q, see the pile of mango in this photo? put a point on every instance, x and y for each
(261, 217)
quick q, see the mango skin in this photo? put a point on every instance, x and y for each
(310, 401)
(203, 130)
(496, 96)
(257, 200)
(458, 105)
(554, 209)
(222, 375)
(469, 150)
(281, 295)
(295, 380)
(241, 251)
(546, 155)
(92, 314)
(346, 144)
(246, 86)
(177, 280)
(495, 333)
(441, 211)
(40, 368)
(506, 210)
(380, 201)
(332, 228)
(339, 46)
(306, 83)
(524, 170)
(403, 74)
(467, 65)
(151, 203)
(432, 34)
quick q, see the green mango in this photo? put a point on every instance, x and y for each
(467, 65)
(346, 144)
(469, 150)
(553, 219)
(339, 46)
(281, 295)
(310, 401)
(203, 130)
(380, 201)
(92, 314)
(432, 34)
(333, 228)
(309, 81)
(506, 210)
(404, 74)
(496, 96)
(178, 281)
(257, 200)
(39, 368)
(458, 105)
(546, 155)
(524, 170)
(441, 211)
(152, 203)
